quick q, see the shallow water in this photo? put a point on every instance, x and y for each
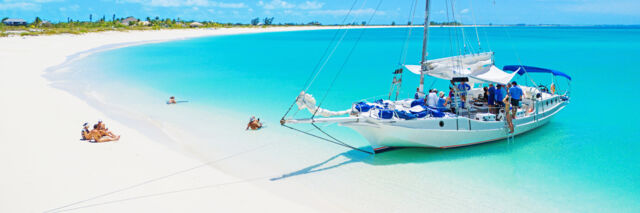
(585, 159)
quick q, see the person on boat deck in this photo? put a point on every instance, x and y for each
(451, 100)
(507, 113)
(463, 87)
(485, 93)
(501, 92)
(441, 102)
(418, 95)
(432, 98)
(515, 92)
(491, 96)
(172, 100)
(254, 124)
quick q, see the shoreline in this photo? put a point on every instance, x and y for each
(61, 109)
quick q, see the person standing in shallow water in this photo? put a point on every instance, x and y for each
(172, 100)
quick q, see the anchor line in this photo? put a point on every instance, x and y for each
(334, 141)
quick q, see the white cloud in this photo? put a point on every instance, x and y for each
(74, 7)
(184, 3)
(280, 4)
(32, 5)
(617, 8)
(276, 4)
(366, 11)
(311, 5)
(464, 11)
(19, 6)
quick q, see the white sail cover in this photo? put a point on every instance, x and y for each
(455, 66)
(493, 75)
(307, 101)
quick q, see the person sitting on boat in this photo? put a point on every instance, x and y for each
(491, 96)
(463, 87)
(441, 102)
(418, 95)
(515, 92)
(432, 98)
(172, 100)
(254, 124)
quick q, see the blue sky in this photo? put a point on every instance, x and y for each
(333, 11)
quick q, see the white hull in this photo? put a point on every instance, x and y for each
(454, 132)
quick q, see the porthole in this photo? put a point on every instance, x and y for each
(441, 123)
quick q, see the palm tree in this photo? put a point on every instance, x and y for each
(37, 22)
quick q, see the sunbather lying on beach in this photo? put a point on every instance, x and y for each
(254, 124)
(97, 134)
(104, 131)
(85, 132)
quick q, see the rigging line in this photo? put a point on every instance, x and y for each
(457, 38)
(405, 48)
(161, 178)
(518, 57)
(347, 59)
(449, 29)
(326, 50)
(475, 25)
(315, 69)
(325, 139)
(332, 51)
(339, 141)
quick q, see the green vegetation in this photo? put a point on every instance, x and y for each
(451, 23)
(40, 27)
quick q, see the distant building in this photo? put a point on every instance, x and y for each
(128, 20)
(15, 22)
(196, 24)
(144, 23)
(46, 24)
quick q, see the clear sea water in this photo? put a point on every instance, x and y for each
(585, 159)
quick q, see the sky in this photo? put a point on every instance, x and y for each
(576, 12)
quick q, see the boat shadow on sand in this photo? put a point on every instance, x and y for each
(422, 155)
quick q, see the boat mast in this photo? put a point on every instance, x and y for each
(423, 60)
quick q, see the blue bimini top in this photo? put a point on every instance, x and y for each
(524, 69)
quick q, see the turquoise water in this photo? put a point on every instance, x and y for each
(585, 159)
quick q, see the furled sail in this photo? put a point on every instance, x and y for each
(305, 100)
(455, 66)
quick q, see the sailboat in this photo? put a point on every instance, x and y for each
(468, 120)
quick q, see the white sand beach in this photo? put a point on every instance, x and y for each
(45, 167)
